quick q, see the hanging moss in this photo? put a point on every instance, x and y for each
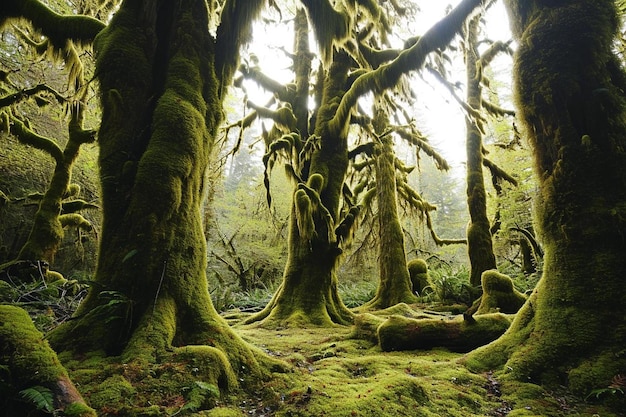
(56, 27)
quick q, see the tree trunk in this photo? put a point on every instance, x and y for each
(570, 95)
(161, 109)
(308, 293)
(479, 245)
(394, 284)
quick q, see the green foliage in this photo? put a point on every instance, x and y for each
(40, 397)
(48, 304)
(357, 293)
(450, 285)
(199, 394)
(226, 297)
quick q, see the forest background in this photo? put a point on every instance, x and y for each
(248, 199)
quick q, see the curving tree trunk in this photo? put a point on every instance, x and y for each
(52, 215)
(570, 95)
(162, 77)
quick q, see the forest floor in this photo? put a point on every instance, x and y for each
(334, 374)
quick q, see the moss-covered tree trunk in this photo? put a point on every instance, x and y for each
(479, 245)
(394, 285)
(308, 292)
(570, 96)
(162, 77)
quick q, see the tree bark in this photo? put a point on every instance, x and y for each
(570, 95)
(161, 101)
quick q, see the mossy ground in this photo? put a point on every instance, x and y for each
(328, 373)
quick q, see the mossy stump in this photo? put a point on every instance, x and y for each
(499, 295)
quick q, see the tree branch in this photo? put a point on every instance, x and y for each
(412, 59)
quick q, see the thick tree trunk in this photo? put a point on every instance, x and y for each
(570, 95)
(479, 244)
(161, 109)
(308, 293)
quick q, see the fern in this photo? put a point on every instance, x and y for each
(199, 394)
(40, 397)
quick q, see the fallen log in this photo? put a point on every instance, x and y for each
(457, 333)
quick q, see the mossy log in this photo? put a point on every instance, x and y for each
(28, 363)
(456, 333)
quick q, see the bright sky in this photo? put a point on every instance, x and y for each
(437, 113)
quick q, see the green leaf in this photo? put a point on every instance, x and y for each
(129, 255)
(41, 397)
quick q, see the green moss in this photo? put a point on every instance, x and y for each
(114, 391)
(420, 279)
(78, 410)
(499, 294)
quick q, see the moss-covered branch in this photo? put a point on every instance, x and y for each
(284, 92)
(19, 96)
(497, 173)
(28, 137)
(59, 29)
(388, 75)
(439, 241)
(416, 138)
